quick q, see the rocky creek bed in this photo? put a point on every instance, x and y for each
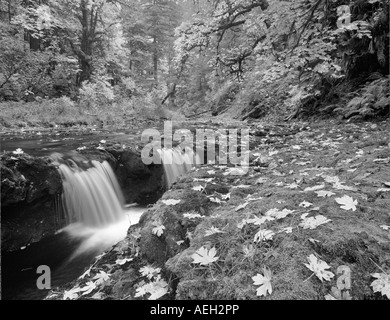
(314, 190)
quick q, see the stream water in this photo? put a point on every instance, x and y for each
(94, 207)
(88, 234)
(67, 254)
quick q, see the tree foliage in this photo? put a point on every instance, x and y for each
(251, 57)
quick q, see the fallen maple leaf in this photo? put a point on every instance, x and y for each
(157, 289)
(101, 277)
(226, 196)
(264, 281)
(324, 194)
(263, 235)
(71, 294)
(314, 222)
(287, 230)
(98, 296)
(192, 216)
(261, 180)
(315, 188)
(18, 152)
(203, 180)
(150, 272)
(340, 186)
(278, 214)
(158, 231)
(318, 266)
(293, 185)
(204, 256)
(384, 227)
(122, 262)
(171, 202)
(305, 204)
(347, 203)
(90, 286)
(215, 200)
(235, 172)
(382, 284)
(212, 231)
(242, 206)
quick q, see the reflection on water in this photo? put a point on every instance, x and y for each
(68, 254)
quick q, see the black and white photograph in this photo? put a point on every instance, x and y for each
(192, 156)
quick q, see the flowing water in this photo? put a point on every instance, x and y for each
(97, 217)
(177, 162)
(93, 204)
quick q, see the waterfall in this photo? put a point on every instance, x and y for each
(177, 162)
(93, 196)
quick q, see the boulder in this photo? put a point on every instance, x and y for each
(29, 187)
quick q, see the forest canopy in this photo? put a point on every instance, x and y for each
(159, 58)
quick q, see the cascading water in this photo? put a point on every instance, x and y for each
(94, 206)
(93, 196)
(177, 162)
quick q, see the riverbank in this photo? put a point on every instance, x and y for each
(314, 192)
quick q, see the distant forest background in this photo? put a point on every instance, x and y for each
(78, 61)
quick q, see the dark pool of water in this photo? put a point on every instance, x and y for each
(19, 269)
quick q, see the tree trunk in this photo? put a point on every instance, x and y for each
(155, 61)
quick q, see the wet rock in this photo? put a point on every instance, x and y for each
(27, 179)
(140, 183)
(29, 186)
(158, 249)
(124, 283)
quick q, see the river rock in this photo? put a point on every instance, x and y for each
(27, 179)
(29, 186)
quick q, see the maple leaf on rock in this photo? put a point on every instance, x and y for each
(204, 256)
(122, 262)
(90, 286)
(98, 296)
(171, 202)
(347, 203)
(264, 281)
(157, 289)
(192, 216)
(101, 277)
(158, 231)
(71, 294)
(318, 266)
(381, 284)
(149, 272)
